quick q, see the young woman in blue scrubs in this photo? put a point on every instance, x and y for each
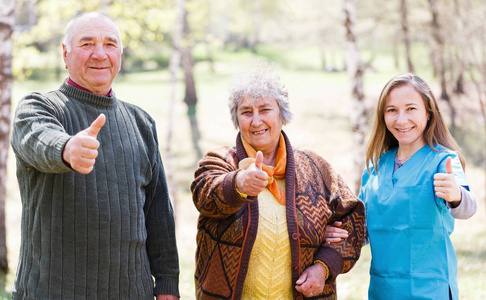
(413, 188)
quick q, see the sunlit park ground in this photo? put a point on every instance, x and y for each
(321, 105)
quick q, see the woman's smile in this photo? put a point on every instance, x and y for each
(259, 132)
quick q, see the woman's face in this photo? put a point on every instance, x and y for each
(260, 124)
(406, 117)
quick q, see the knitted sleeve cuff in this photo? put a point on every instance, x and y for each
(317, 261)
(333, 260)
(167, 285)
(240, 193)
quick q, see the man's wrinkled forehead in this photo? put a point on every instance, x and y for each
(89, 27)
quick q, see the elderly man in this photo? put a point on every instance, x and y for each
(97, 222)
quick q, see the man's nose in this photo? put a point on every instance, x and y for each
(99, 52)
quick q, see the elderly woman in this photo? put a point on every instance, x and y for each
(264, 207)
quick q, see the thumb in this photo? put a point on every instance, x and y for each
(301, 279)
(449, 166)
(95, 127)
(259, 160)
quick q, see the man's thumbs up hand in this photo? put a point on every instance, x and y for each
(96, 126)
(81, 150)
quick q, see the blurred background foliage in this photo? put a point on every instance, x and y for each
(216, 26)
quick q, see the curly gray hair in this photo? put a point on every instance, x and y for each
(261, 82)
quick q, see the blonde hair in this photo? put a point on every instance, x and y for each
(435, 133)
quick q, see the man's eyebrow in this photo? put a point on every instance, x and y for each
(112, 39)
(86, 38)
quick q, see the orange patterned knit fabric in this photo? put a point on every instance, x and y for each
(228, 224)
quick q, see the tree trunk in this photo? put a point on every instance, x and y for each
(439, 60)
(460, 84)
(406, 36)
(210, 57)
(396, 53)
(257, 19)
(477, 71)
(226, 23)
(322, 53)
(6, 29)
(175, 61)
(480, 89)
(355, 72)
(169, 157)
(460, 53)
(439, 48)
(190, 97)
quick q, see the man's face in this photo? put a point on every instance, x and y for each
(95, 57)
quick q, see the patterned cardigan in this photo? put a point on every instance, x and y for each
(316, 196)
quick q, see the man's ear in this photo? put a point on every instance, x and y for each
(64, 55)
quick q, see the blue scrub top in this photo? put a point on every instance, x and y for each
(409, 227)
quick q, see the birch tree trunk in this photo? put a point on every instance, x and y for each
(355, 72)
(6, 28)
(175, 61)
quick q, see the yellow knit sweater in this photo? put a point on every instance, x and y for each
(269, 272)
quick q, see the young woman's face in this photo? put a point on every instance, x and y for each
(406, 117)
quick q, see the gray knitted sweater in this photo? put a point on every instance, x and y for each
(96, 236)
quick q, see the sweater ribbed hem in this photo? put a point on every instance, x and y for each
(167, 285)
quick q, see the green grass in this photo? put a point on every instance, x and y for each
(321, 105)
(4, 295)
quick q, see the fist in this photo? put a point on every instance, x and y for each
(445, 185)
(253, 180)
